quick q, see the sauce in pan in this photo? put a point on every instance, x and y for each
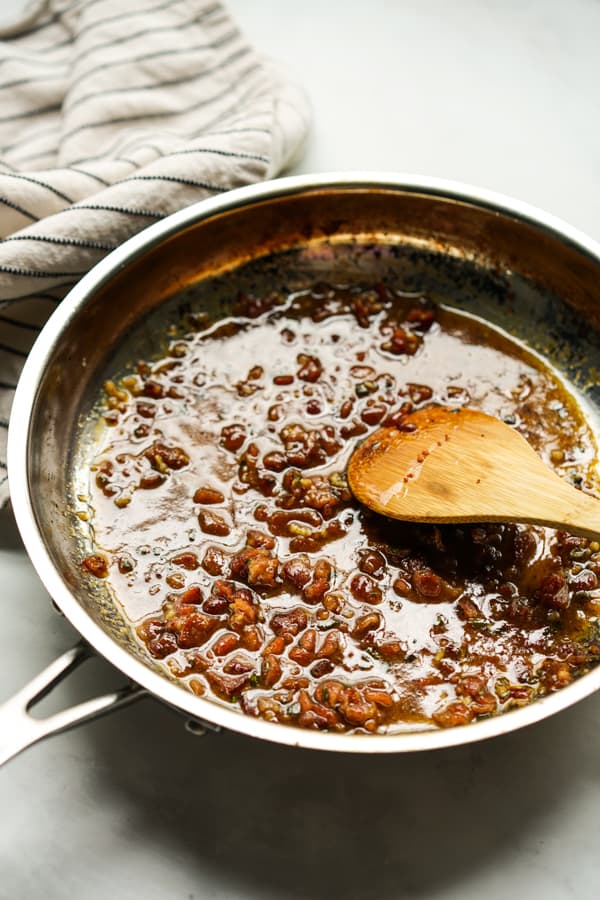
(223, 520)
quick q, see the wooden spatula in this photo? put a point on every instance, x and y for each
(447, 465)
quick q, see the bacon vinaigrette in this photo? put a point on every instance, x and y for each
(223, 521)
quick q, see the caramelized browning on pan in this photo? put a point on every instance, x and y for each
(224, 523)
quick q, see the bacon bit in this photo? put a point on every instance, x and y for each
(357, 709)
(372, 562)
(297, 570)
(402, 343)
(252, 638)
(393, 651)
(553, 591)
(186, 560)
(238, 665)
(221, 596)
(125, 564)
(301, 655)
(320, 581)
(469, 609)
(457, 713)
(470, 685)
(364, 588)
(277, 645)
(355, 429)
(373, 415)
(227, 686)
(427, 584)
(310, 367)
(322, 667)
(292, 622)
(243, 613)
(212, 523)
(160, 643)
(194, 629)
(275, 412)
(555, 673)
(153, 389)
(331, 647)
(313, 714)
(175, 580)
(364, 624)
(225, 644)
(485, 704)
(275, 462)
(162, 458)
(381, 698)
(96, 565)
(259, 540)
(193, 595)
(206, 496)
(270, 670)
(213, 561)
(419, 393)
(256, 566)
(232, 437)
(584, 581)
(401, 586)
(146, 410)
(152, 481)
(346, 408)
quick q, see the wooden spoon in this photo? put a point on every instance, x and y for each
(461, 465)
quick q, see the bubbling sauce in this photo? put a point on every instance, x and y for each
(223, 520)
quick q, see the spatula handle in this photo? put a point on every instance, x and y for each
(580, 514)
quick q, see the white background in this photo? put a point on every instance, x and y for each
(504, 95)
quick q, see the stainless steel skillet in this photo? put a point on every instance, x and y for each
(520, 268)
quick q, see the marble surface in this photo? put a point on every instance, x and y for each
(504, 95)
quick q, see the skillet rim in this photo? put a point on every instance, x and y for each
(20, 439)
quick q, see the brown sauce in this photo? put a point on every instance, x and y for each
(224, 523)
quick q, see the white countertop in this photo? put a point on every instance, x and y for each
(499, 94)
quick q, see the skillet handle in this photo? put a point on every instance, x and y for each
(19, 729)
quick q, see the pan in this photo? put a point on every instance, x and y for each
(515, 266)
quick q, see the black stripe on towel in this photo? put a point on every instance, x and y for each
(117, 120)
(19, 209)
(216, 188)
(33, 273)
(66, 242)
(155, 54)
(126, 15)
(137, 34)
(144, 213)
(90, 175)
(18, 324)
(6, 349)
(21, 81)
(41, 184)
(31, 112)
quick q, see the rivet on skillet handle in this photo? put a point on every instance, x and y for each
(18, 729)
(200, 727)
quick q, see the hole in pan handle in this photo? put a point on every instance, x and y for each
(19, 729)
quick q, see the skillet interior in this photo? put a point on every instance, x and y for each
(534, 284)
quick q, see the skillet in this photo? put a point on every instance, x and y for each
(517, 267)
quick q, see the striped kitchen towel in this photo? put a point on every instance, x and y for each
(114, 114)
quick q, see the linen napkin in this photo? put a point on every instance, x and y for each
(113, 114)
